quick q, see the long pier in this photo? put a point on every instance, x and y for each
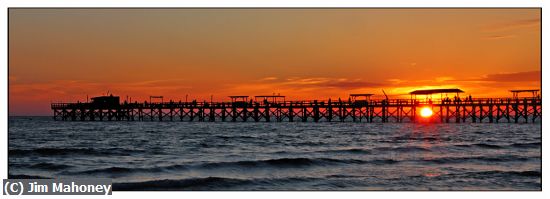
(477, 110)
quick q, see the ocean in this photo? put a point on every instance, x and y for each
(279, 156)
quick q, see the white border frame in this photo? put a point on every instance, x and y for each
(4, 4)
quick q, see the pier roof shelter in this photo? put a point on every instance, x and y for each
(436, 91)
(534, 92)
(156, 97)
(360, 99)
(270, 98)
(239, 98)
(357, 97)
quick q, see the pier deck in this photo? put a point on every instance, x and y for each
(480, 110)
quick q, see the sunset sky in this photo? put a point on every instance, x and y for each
(65, 54)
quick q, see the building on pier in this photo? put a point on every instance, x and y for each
(274, 99)
(534, 93)
(105, 102)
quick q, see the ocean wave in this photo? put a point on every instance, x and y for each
(376, 150)
(72, 151)
(383, 161)
(513, 173)
(414, 138)
(401, 149)
(479, 145)
(114, 170)
(492, 174)
(487, 146)
(10, 176)
(119, 171)
(270, 163)
(504, 158)
(527, 145)
(282, 162)
(208, 183)
(493, 146)
(49, 166)
(495, 174)
(351, 151)
(236, 137)
(309, 143)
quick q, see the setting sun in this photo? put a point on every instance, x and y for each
(426, 112)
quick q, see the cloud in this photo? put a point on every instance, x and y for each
(409, 64)
(486, 85)
(269, 79)
(435, 82)
(525, 76)
(324, 83)
(525, 23)
(528, 76)
(71, 89)
(313, 81)
(351, 84)
(402, 87)
(444, 79)
(496, 37)
(396, 81)
(297, 88)
(304, 87)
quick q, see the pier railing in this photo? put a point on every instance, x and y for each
(393, 102)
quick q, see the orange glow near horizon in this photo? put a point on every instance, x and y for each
(426, 112)
(303, 54)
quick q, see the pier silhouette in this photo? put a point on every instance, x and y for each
(275, 108)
